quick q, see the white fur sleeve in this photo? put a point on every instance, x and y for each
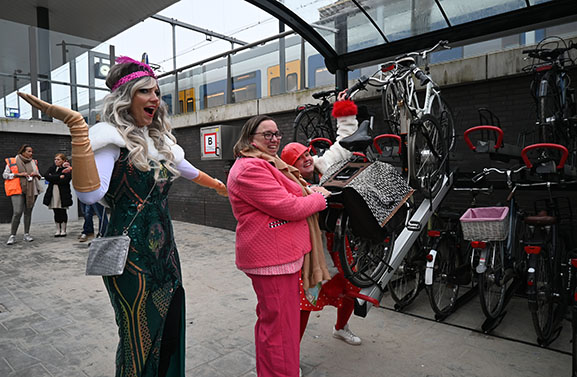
(346, 126)
(105, 158)
(187, 170)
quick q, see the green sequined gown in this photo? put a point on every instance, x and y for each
(142, 294)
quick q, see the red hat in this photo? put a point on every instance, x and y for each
(292, 151)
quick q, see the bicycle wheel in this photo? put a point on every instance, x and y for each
(310, 124)
(441, 110)
(492, 287)
(426, 155)
(363, 261)
(408, 278)
(444, 290)
(542, 306)
(392, 98)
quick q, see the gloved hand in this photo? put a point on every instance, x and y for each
(85, 177)
(206, 180)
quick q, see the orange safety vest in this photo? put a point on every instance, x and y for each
(12, 186)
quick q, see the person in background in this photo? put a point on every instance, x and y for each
(58, 196)
(277, 226)
(338, 291)
(88, 211)
(131, 160)
(22, 184)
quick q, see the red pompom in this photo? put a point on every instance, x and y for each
(344, 108)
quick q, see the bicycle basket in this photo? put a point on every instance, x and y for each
(485, 224)
(371, 193)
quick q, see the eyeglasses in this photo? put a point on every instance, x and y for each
(268, 135)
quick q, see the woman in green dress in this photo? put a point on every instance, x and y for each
(130, 161)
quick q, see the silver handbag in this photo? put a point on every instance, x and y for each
(107, 255)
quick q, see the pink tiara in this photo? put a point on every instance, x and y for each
(134, 75)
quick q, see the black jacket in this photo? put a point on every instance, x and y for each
(52, 175)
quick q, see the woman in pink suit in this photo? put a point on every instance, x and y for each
(271, 202)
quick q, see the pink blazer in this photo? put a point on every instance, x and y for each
(271, 214)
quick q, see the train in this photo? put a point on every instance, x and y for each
(255, 74)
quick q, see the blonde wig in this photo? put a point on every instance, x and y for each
(116, 106)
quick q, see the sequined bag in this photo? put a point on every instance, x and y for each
(107, 255)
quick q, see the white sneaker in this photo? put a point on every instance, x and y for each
(11, 240)
(28, 237)
(300, 372)
(347, 335)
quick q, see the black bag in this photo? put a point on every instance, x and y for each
(371, 194)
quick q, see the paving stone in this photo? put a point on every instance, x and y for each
(235, 363)
(37, 370)
(198, 355)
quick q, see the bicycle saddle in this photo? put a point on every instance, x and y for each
(540, 219)
(359, 140)
(320, 95)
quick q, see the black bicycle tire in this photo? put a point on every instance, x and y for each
(444, 280)
(491, 308)
(543, 280)
(391, 113)
(311, 124)
(350, 259)
(446, 120)
(428, 129)
(407, 280)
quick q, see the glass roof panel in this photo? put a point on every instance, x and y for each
(460, 12)
(348, 26)
(402, 19)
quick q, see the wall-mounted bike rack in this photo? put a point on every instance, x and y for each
(403, 244)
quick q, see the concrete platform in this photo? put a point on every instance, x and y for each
(54, 321)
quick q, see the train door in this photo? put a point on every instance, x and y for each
(292, 77)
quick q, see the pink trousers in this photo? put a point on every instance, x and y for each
(277, 329)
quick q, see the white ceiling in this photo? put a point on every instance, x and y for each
(86, 22)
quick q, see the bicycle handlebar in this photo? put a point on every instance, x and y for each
(508, 172)
(359, 85)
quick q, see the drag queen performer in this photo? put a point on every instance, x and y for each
(129, 156)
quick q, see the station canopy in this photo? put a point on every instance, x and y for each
(354, 33)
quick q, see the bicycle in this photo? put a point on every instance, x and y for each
(554, 98)
(399, 96)
(550, 274)
(315, 120)
(550, 88)
(364, 239)
(425, 134)
(448, 256)
(495, 234)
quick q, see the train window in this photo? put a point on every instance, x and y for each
(291, 82)
(216, 99)
(323, 77)
(247, 92)
(180, 107)
(274, 86)
(189, 105)
(244, 77)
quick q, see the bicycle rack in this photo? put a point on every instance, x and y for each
(402, 246)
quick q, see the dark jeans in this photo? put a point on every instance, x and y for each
(89, 210)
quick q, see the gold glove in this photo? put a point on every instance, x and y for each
(85, 177)
(206, 180)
